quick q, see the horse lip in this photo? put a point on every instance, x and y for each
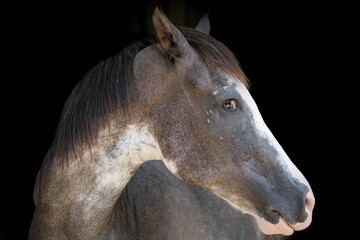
(282, 227)
(302, 225)
(287, 223)
(294, 227)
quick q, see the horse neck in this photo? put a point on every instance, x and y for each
(120, 155)
(85, 191)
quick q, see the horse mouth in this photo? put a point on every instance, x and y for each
(282, 227)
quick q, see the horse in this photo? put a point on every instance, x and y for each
(178, 96)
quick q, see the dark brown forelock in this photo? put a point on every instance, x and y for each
(103, 94)
(214, 53)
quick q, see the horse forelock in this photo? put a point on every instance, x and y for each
(215, 53)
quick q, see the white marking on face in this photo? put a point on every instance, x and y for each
(283, 158)
(208, 113)
(266, 227)
(260, 125)
(215, 92)
(221, 138)
(265, 132)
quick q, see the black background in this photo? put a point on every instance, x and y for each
(291, 53)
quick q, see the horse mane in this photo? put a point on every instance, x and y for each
(103, 94)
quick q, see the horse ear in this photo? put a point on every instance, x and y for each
(168, 36)
(204, 24)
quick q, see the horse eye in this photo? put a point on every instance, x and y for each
(231, 105)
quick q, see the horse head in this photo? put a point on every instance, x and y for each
(210, 131)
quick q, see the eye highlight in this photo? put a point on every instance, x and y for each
(231, 105)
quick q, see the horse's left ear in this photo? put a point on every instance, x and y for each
(204, 24)
(168, 36)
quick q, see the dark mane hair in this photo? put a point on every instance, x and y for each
(103, 94)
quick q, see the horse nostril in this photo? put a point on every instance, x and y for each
(309, 202)
(275, 215)
(276, 212)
